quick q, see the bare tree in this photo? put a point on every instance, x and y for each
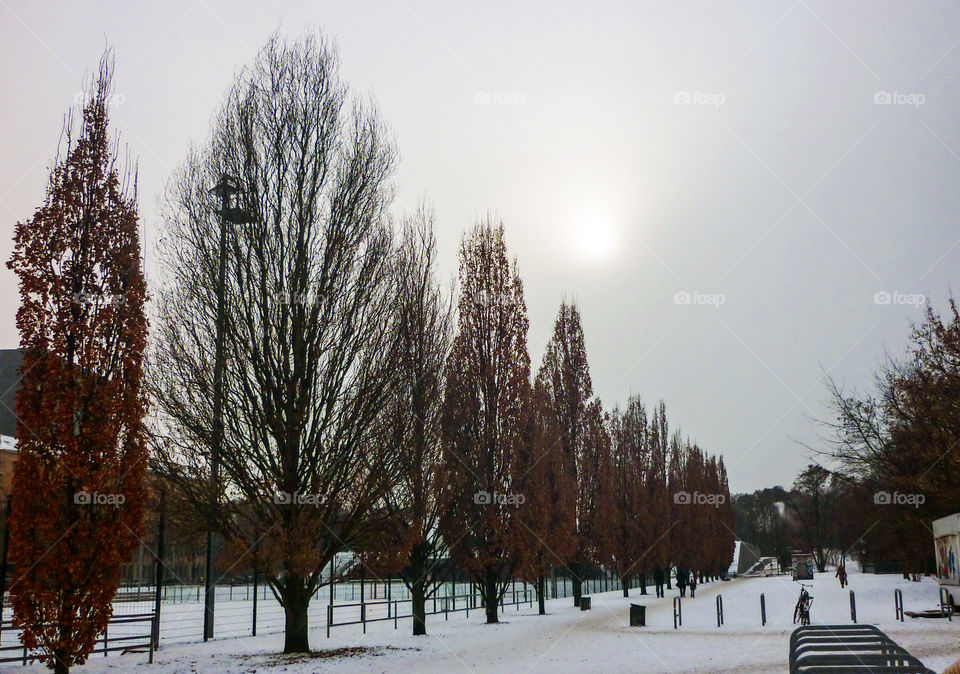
(309, 328)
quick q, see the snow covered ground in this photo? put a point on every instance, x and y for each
(568, 640)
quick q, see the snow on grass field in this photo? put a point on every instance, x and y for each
(569, 640)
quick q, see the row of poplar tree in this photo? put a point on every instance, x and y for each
(529, 473)
(363, 409)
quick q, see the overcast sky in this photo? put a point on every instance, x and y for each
(722, 187)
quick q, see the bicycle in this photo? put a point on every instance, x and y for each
(801, 613)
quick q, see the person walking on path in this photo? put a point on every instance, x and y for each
(842, 575)
(658, 580)
(682, 578)
(693, 586)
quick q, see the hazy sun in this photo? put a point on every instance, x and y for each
(594, 240)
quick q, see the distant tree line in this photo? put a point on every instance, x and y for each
(895, 458)
(898, 448)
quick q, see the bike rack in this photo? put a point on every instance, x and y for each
(946, 605)
(849, 648)
(719, 610)
(898, 604)
(677, 613)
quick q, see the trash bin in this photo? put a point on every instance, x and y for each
(638, 615)
(584, 603)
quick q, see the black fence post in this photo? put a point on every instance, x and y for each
(255, 579)
(161, 532)
(677, 612)
(853, 607)
(763, 610)
(719, 610)
(898, 604)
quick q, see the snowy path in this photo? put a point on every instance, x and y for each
(569, 640)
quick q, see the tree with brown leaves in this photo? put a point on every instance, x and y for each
(485, 405)
(78, 492)
(565, 376)
(547, 520)
(901, 438)
(596, 505)
(658, 494)
(410, 541)
(632, 524)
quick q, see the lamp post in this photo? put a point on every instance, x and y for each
(226, 190)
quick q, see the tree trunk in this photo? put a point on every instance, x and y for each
(643, 583)
(541, 594)
(490, 598)
(60, 665)
(418, 598)
(418, 588)
(296, 600)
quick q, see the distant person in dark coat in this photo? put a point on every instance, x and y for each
(693, 586)
(842, 575)
(658, 580)
(682, 581)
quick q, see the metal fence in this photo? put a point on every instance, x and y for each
(161, 599)
(248, 608)
(124, 634)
